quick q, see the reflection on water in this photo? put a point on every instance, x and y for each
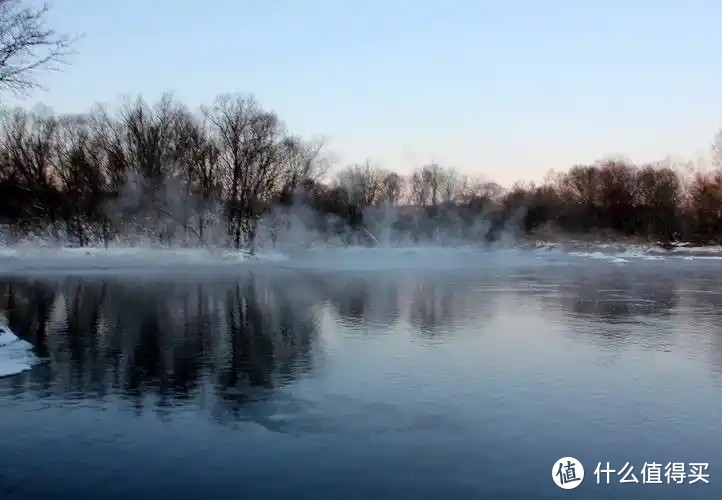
(169, 340)
(246, 337)
(458, 366)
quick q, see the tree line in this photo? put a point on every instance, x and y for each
(232, 175)
(162, 173)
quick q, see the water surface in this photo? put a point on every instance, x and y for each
(291, 383)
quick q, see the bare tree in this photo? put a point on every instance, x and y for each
(705, 204)
(617, 192)
(658, 197)
(392, 187)
(362, 184)
(27, 45)
(80, 169)
(253, 157)
(28, 139)
(476, 194)
(304, 165)
(581, 184)
(434, 184)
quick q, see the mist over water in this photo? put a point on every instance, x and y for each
(358, 382)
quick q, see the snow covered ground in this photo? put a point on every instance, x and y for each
(34, 260)
(622, 253)
(16, 355)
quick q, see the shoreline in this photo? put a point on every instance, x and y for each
(647, 247)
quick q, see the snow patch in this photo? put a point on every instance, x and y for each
(16, 355)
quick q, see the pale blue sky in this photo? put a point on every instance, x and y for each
(506, 89)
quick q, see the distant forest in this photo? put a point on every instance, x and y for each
(164, 174)
(231, 175)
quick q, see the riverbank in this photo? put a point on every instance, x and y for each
(549, 236)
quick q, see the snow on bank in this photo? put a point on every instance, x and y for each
(32, 260)
(627, 252)
(652, 254)
(16, 355)
(51, 259)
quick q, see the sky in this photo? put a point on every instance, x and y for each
(506, 90)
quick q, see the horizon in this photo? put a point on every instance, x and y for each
(408, 83)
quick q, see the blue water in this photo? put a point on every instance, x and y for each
(408, 384)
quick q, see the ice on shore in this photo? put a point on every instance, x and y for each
(117, 260)
(33, 260)
(29, 259)
(16, 355)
